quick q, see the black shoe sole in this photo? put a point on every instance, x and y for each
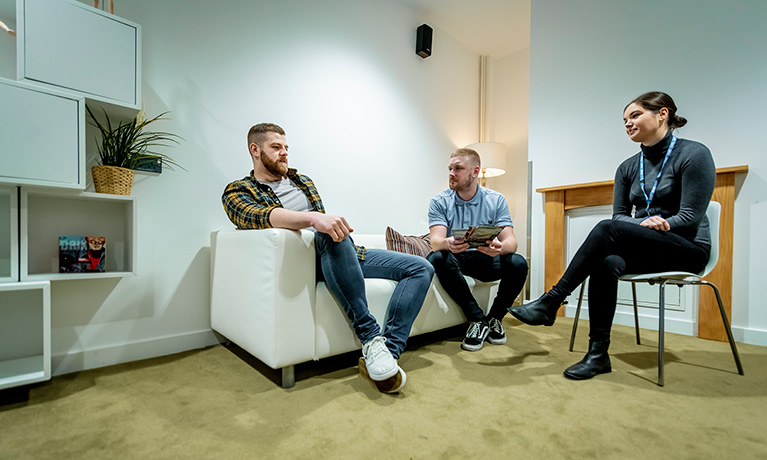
(531, 323)
(586, 377)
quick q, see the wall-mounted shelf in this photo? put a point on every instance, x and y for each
(42, 136)
(46, 215)
(75, 47)
(25, 333)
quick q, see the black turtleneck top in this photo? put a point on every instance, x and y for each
(684, 188)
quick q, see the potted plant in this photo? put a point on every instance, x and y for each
(123, 147)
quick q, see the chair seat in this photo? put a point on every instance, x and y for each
(682, 276)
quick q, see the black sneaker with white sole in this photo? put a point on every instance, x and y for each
(496, 335)
(475, 336)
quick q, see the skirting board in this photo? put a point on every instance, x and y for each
(91, 359)
(743, 335)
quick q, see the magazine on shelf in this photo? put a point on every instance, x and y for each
(82, 254)
(477, 235)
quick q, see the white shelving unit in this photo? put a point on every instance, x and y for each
(66, 53)
(25, 333)
(46, 215)
(9, 235)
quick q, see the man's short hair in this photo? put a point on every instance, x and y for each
(257, 133)
(472, 154)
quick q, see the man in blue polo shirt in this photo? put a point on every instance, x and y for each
(463, 205)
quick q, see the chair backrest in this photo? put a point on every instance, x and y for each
(712, 213)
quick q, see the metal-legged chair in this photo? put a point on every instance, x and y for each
(678, 279)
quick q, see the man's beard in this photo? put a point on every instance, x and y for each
(458, 185)
(274, 167)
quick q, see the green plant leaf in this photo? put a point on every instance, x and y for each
(129, 142)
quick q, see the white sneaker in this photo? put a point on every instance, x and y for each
(379, 362)
(391, 385)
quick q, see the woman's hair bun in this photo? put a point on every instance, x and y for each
(677, 122)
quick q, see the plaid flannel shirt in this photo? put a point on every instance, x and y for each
(248, 202)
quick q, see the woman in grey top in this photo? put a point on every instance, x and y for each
(668, 184)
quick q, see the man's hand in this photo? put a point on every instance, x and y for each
(656, 223)
(492, 248)
(335, 226)
(456, 245)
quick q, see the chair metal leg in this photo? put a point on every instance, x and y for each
(661, 318)
(288, 377)
(577, 315)
(636, 310)
(727, 328)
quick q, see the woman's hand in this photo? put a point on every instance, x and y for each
(656, 223)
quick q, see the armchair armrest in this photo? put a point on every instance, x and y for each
(263, 289)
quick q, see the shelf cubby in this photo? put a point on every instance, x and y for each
(46, 215)
(25, 333)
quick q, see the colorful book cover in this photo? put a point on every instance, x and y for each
(477, 236)
(81, 254)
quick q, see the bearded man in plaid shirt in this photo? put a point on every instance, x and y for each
(275, 196)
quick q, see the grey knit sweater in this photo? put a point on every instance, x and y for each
(684, 188)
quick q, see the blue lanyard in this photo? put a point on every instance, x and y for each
(647, 199)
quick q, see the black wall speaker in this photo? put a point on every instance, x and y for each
(423, 41)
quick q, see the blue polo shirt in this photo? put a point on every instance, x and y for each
(488, 207)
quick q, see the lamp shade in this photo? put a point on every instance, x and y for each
(493, 156)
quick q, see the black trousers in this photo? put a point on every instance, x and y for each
(450, 269)
(614, 248)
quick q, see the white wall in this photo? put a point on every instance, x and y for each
(371, 122)
(590, 58)
(8, 42)
(508, 123)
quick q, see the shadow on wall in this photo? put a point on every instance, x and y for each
(77, 303)
(192, 294)
(139, 330)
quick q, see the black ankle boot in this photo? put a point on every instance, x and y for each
(596, 361)
(539, 312)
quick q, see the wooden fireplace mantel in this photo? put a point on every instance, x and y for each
(563, 198)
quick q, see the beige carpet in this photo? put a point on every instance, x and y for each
(502, 402)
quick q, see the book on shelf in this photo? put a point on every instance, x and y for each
(477, 235)
(82, 254)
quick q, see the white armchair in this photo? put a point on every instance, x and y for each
(265, 298)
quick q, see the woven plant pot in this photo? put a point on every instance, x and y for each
(112, 179)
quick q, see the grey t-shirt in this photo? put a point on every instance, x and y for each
(290, 195)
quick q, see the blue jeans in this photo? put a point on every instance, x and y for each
(345, 276)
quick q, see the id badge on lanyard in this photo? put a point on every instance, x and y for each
(648, 199)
